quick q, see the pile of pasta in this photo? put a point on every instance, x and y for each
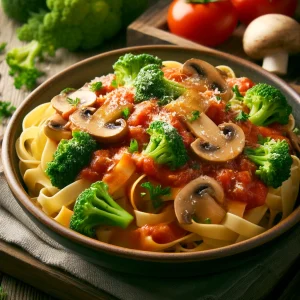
(35, 150)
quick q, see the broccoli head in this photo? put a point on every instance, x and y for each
(69, 158)
(267, 105)
(128, 66)
(151, 83)
(74, 24)
(22, 64)
(273, 159)
(95, 207)
(166, 145)
(21, 10)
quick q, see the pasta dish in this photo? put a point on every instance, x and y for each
(163, 156)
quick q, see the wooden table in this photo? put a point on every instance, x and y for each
(18, 259)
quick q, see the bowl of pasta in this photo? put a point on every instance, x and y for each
(158, 158)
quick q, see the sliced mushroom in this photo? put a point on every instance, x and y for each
(210, 76)
(57, 128)
(200, 199)
(62, 105)
(219, 143)
(110, 131)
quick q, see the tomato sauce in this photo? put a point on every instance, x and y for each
(237, 176)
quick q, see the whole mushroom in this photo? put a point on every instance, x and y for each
(272, 38)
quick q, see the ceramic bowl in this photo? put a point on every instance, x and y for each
(122, 259)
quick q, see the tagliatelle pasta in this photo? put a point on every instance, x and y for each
(207, 190)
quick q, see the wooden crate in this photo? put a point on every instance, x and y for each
(151, 28)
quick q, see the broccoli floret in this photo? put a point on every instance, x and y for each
(74, 24)
(273, 159)
(21, 10)
(151, 83)
(69, 158)
(95, 207)
(267, 105)
(128, 66)
(166, 145)
(22, 64)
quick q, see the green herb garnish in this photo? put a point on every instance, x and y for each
(67, 90)
(194, 116)
(155, 193)
(207, 221)
(134, 146)
(125, 113)
(73, 102)
(242, 116)
(96, 86)
(218, 98)
(227, 106)
(114, 83)
(237, 93)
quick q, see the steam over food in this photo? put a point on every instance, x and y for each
(163, 156)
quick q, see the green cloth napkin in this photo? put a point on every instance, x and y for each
(253, 280)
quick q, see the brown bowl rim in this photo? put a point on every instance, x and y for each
(20, 194)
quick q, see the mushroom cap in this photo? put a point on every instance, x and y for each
(102, 131)
(60, 102)
(56, 128)
(271, 34)
(210, 76)
(224, 146)
(201, 198)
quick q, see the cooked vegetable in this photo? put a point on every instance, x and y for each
(273, 159)
(22, 64)
(207, 22)
(242, 116)
(128, 66)
(267, 105)
(151, 83)
(95, 207)
(155, 193)
(69, 158)
(6, 109)
(21, 10)
(166, 145)
(250, 10)
(96, 86)
(237, 93)
(134, 146)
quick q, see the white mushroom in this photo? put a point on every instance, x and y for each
(200, 199)
(57, 128)
(225, 145)
(210, 76)
(103, 130)
(271, 38)
(62, 102)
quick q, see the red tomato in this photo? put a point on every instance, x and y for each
(209, 24)
(248, 10)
